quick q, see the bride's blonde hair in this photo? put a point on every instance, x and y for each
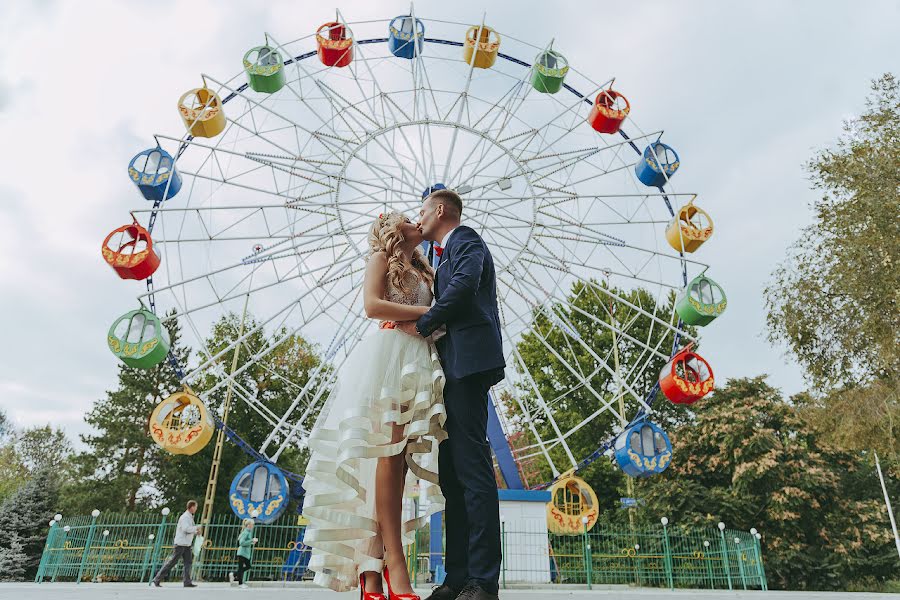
(385, 236)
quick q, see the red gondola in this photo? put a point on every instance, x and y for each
(335, 50)
(129, 251)
(686, 378)
(609, 110)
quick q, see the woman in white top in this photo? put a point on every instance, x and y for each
(379, 429)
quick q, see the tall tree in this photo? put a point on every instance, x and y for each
(572, 331)
(44, 447)
(26, 512)
(750, 459)
(835, 301)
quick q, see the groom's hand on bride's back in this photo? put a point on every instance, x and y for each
(407, 327)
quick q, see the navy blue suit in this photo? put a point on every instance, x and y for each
(465, 291)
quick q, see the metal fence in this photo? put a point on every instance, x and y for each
(133, 547)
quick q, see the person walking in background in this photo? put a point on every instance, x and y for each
(181, 546)
(246, 541)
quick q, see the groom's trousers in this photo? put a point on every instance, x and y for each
(472, 513)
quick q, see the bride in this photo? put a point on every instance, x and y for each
(379, 430)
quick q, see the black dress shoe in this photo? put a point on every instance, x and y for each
(190, 585)
(156, 584)
(475, 592)
(443, 592)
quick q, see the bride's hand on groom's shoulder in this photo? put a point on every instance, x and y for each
(407, 327)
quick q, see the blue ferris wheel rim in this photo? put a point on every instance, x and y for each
(244, 445)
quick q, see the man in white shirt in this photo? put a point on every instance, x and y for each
(181, 546)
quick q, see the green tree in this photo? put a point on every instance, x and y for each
(569, 398)
(26, 513)
(749, 459)
(12, 558)
(835, 301)
(44, 447)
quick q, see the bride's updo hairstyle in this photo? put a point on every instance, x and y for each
(385, 236)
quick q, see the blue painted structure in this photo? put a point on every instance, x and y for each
(151, 171)
(643, 449)
(401, 34)
(655, 171)
(259, 491)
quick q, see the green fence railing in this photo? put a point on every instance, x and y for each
(133, 547)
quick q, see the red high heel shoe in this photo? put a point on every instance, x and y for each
(364, 595)
(392, 595)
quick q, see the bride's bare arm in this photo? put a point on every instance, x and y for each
(373, 294)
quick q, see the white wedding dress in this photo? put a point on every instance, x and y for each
(389, 377)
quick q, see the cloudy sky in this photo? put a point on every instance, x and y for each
(749, 90)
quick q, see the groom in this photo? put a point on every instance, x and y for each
(465, 291)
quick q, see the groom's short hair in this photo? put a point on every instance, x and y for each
(448, 197)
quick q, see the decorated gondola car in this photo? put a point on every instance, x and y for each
(202, 113)
(643, 449)
(259, 491)
(153, 172)
(482, 43)
(689, 229)
(609, 111)
(657, 165)
(181, 424)
(265, 69)
(701, 301)
(405, 37)
(549, 72)
(129, 251)
(335, 44)
(138, 339)
(686, 378)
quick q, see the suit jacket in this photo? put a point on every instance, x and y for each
(465, 292)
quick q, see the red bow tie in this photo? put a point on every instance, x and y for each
(438, 250)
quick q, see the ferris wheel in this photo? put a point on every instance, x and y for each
(263, 202)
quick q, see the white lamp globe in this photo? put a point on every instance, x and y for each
(706, 543)
(664, 520)
(721, 526)
(165, 512)
(758, 536)
(737, 540)
(66, 528)
(151, 537)
(57, 517)
(95, 513)
(637, 547)
(52, 523)
(105, 532)
(584, 520)
(753, 531)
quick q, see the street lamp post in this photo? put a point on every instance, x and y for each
(87, 544)
(706, 559)
(725, 559)
(668, 557)
(740, 561)
(158, 545)
(588, 557)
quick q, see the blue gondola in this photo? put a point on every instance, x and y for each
(151, 170)
(655, 171)
(434, 188)
(259, 491)
(400, 36)
(643, 449)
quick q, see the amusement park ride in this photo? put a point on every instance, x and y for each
(266, 199)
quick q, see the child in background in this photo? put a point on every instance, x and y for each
(245, 545)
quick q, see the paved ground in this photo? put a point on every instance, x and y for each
(128, 591)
